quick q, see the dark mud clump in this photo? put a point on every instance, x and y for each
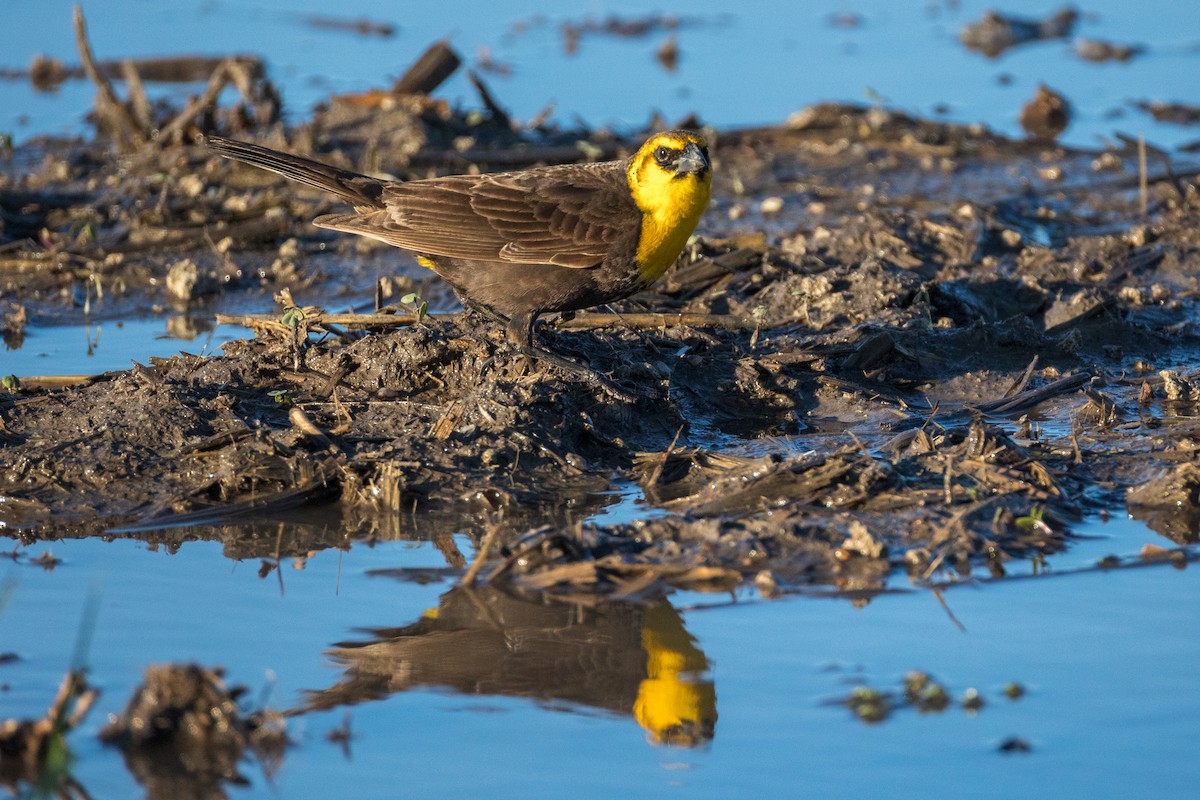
(183, 734)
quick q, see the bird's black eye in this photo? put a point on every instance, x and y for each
(663, 156)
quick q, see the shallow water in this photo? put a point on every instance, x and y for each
(1106, 658)
(736, 68)
(102, 346)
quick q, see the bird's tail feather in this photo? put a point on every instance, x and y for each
(358, 189)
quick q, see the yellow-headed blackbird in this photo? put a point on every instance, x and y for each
(520, 244)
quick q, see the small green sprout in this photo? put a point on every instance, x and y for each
(281, 397)
(420, 307)
(292, 316)
(1031, 521)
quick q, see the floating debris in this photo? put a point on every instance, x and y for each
(668, 53)
(1098, 50)
(1046, 116)
(1176, 113)
(1015, 744)
(361, 26)
(183, 726)
(920, 692)
(997, 32)
(622, 27)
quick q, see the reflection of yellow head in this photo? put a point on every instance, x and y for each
(674, 705)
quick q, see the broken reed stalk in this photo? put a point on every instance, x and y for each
(56, 381)
(220, 77)
(137, 94)
(1143, 186)
(485, 547)
(662, 462)
(136, 128)
(113, 108)
(499, 115)
(428, 72)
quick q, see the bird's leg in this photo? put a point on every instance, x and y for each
(520, 335)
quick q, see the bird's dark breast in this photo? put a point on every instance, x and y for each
(517, 288)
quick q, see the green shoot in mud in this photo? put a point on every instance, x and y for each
(413, 300)
(11, 383)
(759, 313)
(281, 398)
(924, 305)
(1032, 521)
(292, 316)
(83, 232)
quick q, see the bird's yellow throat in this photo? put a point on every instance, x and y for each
(671, 205)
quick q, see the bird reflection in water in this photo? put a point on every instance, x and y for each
(627, 658)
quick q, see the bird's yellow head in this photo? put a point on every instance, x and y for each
(670, 178)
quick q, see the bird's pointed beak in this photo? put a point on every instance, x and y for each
(692, 161)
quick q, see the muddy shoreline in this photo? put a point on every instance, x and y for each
(916, 345)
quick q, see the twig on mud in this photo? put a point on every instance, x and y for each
(650, 321)
(499, 116)
(948, 529)
(662, 462)
(485, 547)
(1020, 383)
(304, 423)
(1034, 397)
(271, 322)
(640, 321)
(112, 108)
(57, 381)
(447, 422)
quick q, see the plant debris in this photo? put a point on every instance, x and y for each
(183, 729)
(997, 32)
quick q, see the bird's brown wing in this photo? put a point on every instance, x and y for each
(569, 216)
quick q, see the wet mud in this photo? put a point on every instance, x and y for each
(908, 345)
